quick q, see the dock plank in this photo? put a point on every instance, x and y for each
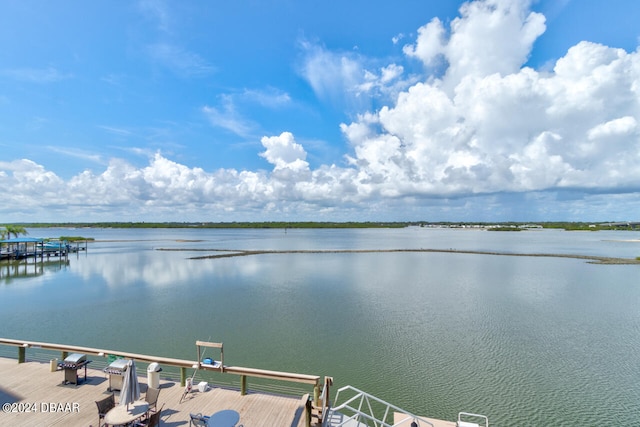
(56, 404)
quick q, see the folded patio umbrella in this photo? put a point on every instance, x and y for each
(130, 387)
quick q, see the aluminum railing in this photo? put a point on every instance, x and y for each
(462, 423)
(364, 409)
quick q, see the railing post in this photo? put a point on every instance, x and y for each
(243, 385)
(316, 395)
(64, 354)
(21, 354)
(307, 412)
(183, 376)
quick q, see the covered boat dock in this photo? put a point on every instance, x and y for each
(31, 247)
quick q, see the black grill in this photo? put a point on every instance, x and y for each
(71, 364)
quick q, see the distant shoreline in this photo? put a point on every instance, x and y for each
(230, 253)
(492, 226)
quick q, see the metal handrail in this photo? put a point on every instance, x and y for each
(469, 414)
(362, 398)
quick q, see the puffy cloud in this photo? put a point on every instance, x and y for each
(490, 125)
(284, 153)
(28, 184)
(617, 127)
(490, 36)
(430, 43)
(386, 82)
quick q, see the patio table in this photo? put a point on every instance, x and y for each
(224, 418)
(121, 416)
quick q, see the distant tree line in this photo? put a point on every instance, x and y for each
(12, 229)
(270, 224)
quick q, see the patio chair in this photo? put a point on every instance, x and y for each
(104, 406)
(152, 421)
(152, 399)
(198, 420)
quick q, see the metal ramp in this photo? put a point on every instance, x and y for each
(360, 409)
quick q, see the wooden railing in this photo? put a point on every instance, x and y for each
(323, 403)
(180, 363)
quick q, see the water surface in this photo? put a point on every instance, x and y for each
(525, 340)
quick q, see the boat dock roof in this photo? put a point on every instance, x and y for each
(47, 402)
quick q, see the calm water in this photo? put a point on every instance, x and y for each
(528, 341)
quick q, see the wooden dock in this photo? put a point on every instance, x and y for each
(41, 399)
(33, 392)
(28, 248)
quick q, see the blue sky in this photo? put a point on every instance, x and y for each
(296, 110)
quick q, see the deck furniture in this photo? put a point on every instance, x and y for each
(152, 421)
(151, 397)
(198, 420)
(104, 406)
(122, 416)
(224, 418)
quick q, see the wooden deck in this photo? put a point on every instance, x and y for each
(53, 404)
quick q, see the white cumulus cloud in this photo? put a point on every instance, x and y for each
(489, 124)
(490, 36)
(622, 127)
(284, 153)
